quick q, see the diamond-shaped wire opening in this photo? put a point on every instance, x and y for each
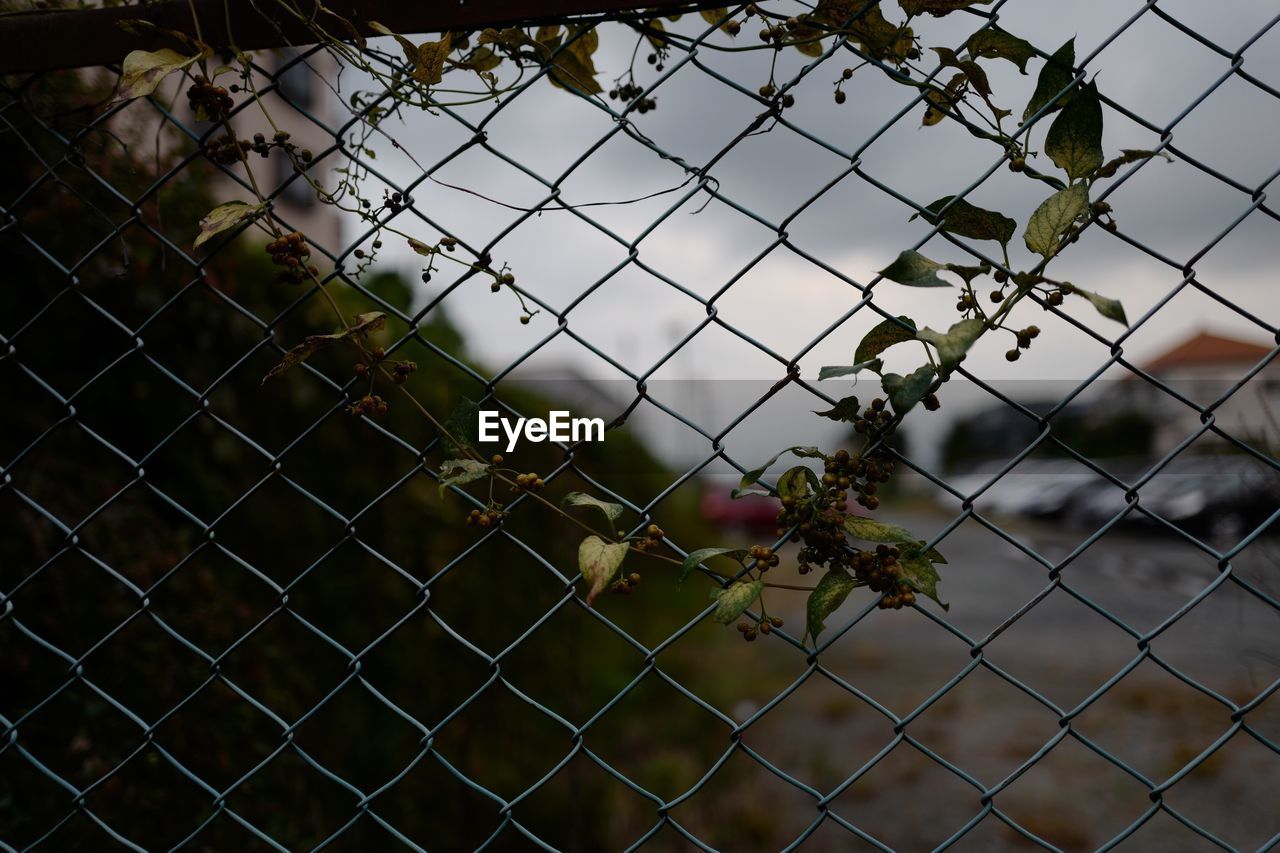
(1228, 793)
(879, 802)
(1033, 801)
(285, 666)
(292, 801)
(210, 600)
(1062, 649)
(842, 731)
(501, 742)
(728, 811)
(218, 736)
(583, 800)
(1227, 643)
(73, 602)
(123, 668)
(1153, 722)
(1007, 726)
(79, 735)
(900, 658)
(127, 802)
(356, 735)
(652, 751)
(31, 802)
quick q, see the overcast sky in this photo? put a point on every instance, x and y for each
(785, 301)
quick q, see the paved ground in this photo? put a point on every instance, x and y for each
(1062, 649)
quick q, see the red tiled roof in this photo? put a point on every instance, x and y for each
(1206, 349)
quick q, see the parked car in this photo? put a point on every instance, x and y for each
(754, 513)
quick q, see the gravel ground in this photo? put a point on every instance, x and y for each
(984, 725)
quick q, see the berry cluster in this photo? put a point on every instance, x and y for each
(819, 518)
(764, 557)
(392, 202)
(880, 571)
(208, 102)
(630, 92)
(749, 632)
(653, 535)
(226, 149)
(625, 586)
(400, 371)
(845, 75)
(484, 518)
(369, 404)
(291, 252)
(1025, 337)
(768, 90)
(530, 482)
(876, 420)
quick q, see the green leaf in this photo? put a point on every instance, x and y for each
(836, 371)
(363, 324)
(953, 345)
(845, 410)
(826, 597)
(905, 391)
(1055, 76)
(938, 8)
(701, 555)
(1052, 219)
(968, 273)
(144, 70)
(971, 70)
(612, 512)
(599, 561)
(457, 472)
(870, 530)
(462, 429)
(753, 476)
(1128, 155)
(967, 220)
(918, 573)
(733, 601)
(997, 44)
(885, 334)
(1109, 308)
(795, 482)
(224, 217)
(915, 270)
(1074, 141)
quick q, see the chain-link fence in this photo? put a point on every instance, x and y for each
(236, 616)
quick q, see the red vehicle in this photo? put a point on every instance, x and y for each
(754, 512)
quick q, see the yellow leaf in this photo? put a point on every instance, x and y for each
(144, 70)
(430, 64)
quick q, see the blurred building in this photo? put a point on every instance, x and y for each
(301, 103)
(1204, 369)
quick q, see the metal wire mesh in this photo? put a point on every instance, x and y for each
(66, 509)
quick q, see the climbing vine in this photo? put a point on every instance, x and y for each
(846, 547)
